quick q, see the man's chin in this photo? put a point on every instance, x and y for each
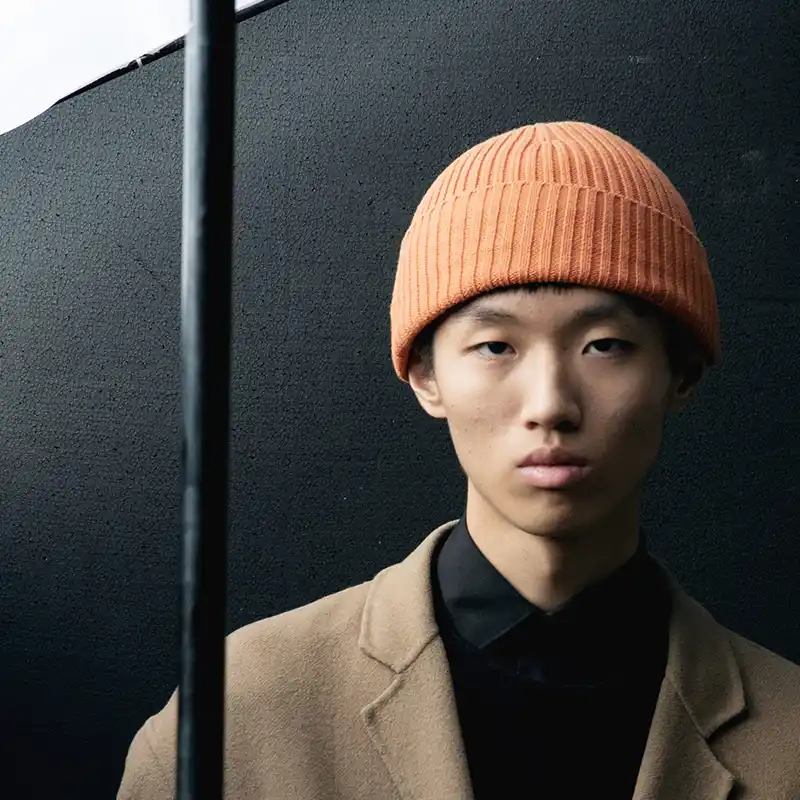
(553, 517)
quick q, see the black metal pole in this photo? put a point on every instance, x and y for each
(205, 345)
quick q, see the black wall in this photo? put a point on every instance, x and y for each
(347, 110)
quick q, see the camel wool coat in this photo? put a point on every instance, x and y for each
(349, 698)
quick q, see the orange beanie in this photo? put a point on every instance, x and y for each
(560, 202)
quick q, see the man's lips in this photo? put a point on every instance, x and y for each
(552, 457)
(554, 476)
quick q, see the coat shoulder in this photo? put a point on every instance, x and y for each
(292, 681)
(769, 677)
(296, 641)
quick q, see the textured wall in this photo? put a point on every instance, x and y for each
(347, 110)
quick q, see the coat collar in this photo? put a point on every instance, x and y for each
(414, 724)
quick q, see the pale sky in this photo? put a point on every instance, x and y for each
(51, 48)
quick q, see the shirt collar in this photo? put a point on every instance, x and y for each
(486, 609)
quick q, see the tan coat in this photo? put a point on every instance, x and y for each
(350, 697)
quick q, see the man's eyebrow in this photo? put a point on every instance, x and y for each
(486, 315)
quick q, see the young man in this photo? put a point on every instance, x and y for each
(554, 305)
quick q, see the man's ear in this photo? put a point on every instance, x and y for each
(426, 389)
(683, 386)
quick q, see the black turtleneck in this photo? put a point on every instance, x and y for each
(553, 705)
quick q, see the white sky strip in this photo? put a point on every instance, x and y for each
(51, 48)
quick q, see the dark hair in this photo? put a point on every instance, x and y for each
(684, 353)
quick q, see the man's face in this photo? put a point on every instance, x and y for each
(544, 377)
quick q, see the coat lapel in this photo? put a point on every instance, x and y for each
(413, 721)
(702, 690)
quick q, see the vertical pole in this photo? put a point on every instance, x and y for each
(205, 348)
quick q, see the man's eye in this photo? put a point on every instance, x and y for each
(496, 345)
(623, 345)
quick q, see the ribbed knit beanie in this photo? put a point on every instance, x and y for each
(564, 202)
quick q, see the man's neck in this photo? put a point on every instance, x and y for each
(549, 569)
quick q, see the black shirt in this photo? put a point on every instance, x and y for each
(559, 704)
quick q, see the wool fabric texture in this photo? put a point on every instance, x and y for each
(565, 202)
